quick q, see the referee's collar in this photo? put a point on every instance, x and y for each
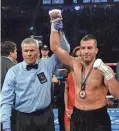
(25, 64)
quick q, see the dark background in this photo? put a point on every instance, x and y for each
(22, 18)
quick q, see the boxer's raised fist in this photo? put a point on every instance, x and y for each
(56, 20)
(55, 13)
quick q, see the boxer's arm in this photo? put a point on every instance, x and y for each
(63, 55)
(109, 77)
(112, 85)
(56, 33)
(54, 60)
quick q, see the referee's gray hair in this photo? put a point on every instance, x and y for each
(29, 41)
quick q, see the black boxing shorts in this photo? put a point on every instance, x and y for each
(92, 120)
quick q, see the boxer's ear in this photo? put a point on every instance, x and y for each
(96, 50)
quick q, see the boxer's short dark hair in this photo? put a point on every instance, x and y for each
(89, 37)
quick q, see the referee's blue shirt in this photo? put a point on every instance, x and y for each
(23, 87)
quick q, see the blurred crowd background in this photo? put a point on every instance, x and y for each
(21, 19)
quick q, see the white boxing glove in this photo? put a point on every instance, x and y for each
(98, 64)
(55, 13)
(56, 20)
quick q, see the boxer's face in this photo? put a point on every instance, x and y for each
(88, 50)
(30, 53)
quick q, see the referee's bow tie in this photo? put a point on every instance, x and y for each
(29, 67)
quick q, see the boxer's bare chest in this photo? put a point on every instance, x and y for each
(94, 88)
(94, 80)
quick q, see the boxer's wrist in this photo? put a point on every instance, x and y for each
(107, 72)
(53, 28)
(56, 25)
(98, 64)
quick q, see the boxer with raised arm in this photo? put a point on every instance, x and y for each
(93, 80)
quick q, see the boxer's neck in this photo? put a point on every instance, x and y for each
(88, 65)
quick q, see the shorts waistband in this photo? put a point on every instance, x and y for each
(102, 109)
